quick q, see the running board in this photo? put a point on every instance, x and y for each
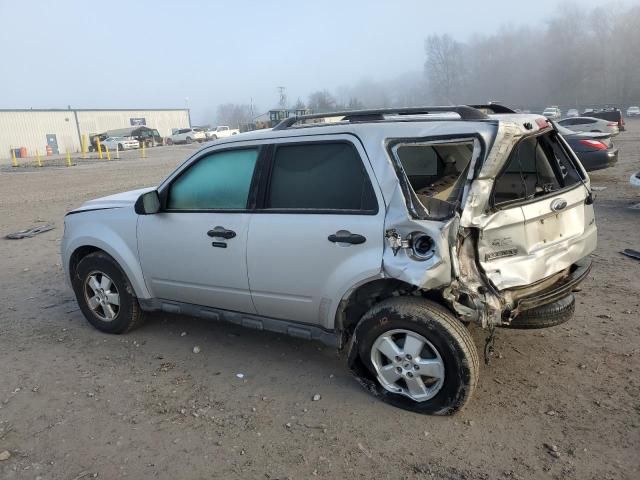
(255, 322)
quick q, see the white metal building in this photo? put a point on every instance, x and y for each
(62, 130)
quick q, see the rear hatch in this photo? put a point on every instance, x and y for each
(538, 219)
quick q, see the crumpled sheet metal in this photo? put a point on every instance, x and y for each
(435, 272)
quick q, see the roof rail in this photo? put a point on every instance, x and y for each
(493, 108)
(466, 113)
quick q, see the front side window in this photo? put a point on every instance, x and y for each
(320, 176)
(218, 181)
(538, 166)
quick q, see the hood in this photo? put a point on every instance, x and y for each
(118, 200)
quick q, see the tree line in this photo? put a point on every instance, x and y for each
(579, 58)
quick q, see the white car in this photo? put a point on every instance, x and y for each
(573, 112)
(186, 135)
(221, 131)
(633, 112)
(590, 124)
(552, 113)
(120, 143)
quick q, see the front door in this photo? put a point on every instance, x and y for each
(52, 141)
(194, 250)
(318, 232)
(541, 221)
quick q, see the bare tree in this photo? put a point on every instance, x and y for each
(233, 114)
(322, 101)
(445, 67)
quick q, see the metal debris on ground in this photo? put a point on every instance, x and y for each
(30, 232)
(631, 253)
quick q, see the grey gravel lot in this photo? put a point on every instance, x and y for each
(561, 403)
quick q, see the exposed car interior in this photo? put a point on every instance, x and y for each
(436, 173)
(538, 166)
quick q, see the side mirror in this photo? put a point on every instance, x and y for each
(148, 203)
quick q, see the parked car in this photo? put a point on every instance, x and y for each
(384, 234)
(633, 112)
(594, 150)
(552, 113)
(150, 137)
(590, 124)
(634, 180)
(587, 112)
(573, 112)
(612, 115)
(186, 135)
(221, 131)
(120, 143)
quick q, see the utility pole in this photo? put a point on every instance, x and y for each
(283, 97)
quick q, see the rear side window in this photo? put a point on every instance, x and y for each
(538, 166)
(320, 176)
(219, 181)
(436, 173)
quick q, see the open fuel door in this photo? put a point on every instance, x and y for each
(539, 218)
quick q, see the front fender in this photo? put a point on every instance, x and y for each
(114, 232)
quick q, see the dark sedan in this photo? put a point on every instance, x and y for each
(595, 150)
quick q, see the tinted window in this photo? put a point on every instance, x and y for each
(538, 166)
(217, 181)
(321, 176)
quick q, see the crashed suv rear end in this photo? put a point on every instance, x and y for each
(504, 220)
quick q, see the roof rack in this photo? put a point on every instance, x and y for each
(466, 112)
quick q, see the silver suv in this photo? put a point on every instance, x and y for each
(385, 233)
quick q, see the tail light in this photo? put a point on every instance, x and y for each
(612, 124)
(595, 144)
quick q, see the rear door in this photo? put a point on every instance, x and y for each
(540, 219)
(318, 230)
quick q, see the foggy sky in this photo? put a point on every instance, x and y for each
(155, 54)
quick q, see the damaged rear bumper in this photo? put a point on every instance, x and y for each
(559, 289)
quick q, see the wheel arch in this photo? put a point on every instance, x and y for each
(359, 299)
(121, 254)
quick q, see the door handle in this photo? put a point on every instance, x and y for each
(221, 232)
(345, 236)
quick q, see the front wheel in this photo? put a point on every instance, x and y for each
(189, 140)
(120, 147)
(417, 356)
(105, 295)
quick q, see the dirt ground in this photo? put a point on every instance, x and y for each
(76, 403)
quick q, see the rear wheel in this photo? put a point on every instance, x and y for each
(120, 147)
(189, 140)
(417, 356)
(105, 295)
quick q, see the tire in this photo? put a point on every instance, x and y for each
(189, 140)
(120, 147)
(549, 315)
(169, 141)
(449, 352)
(127, 315)
(215, 137)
